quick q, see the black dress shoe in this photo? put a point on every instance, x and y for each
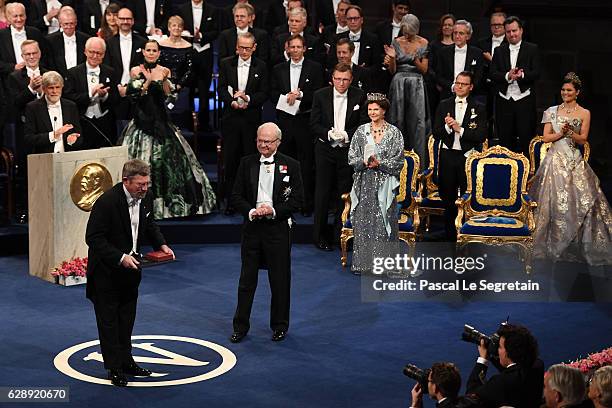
(135, 370)
(279, 335)
(237, 337)
(117, 378)
(324, 246)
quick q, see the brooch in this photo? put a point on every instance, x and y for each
(286, 192)
(472, 125)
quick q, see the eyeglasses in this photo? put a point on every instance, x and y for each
(98, 53)
(241, 48)
(459, 33)
(497, 25)
(30, 54)
(462, 84)
(341, 79)
(125, 18)
(266, 142)
(353, 18)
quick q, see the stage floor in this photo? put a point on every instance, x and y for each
(341, 351)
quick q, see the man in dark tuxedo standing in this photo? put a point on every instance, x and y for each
(337, 111)
(201, 20)
(389, 29)
(123, 52)
(92, 13)
(345, 49)
(12, 37)
(150, 17)
(93, 87)
(326, 10)
(450, 61)
(52, 123)
(297, 80)
(267, 191)
(514, 70)
(119, 221)
(461, 124)
(243, 84)
(297, 20)
(329, 36)
(243, 15)
(68, 45)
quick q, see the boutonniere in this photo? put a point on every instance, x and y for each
(209, 18)
(356, 107)
(107, 80)
(309, 48)
(473, 115)
(473, 62)
(472, 125)
(139, 50)
(256, 75)
(367, 46)
(307, 80)
(286, 192)
(282, 168)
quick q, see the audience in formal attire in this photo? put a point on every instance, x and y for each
(92, 15)
(243, 85)
(514, 70)
(329, 35)
(244, 13)
(68, 45)
(109, 27)
(43, 14)
(298, 19)
(389, 29)
(3, 20)
(326, 11)
(600, 387)
(362, 77)
(337, 111)
(563, 387)
(149, 16)
(444, 39)
(93, 87)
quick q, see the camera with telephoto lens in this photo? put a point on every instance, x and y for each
(419, 375)
(471, 335)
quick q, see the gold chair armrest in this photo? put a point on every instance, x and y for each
(461, 203)
(346, 197)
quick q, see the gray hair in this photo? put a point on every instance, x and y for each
(467, 25)
(92, 40)
(275, 128)
(29, 42)
(10, 7)
(247, 35)
(568, 382)
(298, 11)
(602, 381)
(135, 167)
(52, 78)
(410, 24)
(67, 11)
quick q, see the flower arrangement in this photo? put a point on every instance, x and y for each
(593, 361)
(74, 267)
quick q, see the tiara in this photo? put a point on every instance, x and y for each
(574, 78)
(375, 96)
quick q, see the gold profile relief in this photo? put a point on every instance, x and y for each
(88, 183)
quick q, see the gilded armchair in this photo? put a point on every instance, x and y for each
(538, 149)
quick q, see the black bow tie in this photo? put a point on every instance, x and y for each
(267, 162)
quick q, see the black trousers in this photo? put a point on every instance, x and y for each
(115, 317)
(297, 142)
(203, 69)
(239, 130)
(333, 173)
(265, 242)
(516, 122)
(452, 182)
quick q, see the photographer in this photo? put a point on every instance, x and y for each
(443, 384)
(520, 381)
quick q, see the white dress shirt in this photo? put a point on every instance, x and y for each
(460, 56)
(54, 23)
(70, 50)
(125, 44)
(18, 38)
(395, 30)
(265, 185)
(94, 110)
(197, 10)
(57, 121)
(514, 91)
(460, 108)
(496, 42)
(103, 5)
(150, 8)
(134, 210)
(295, 70)
(340, 29)
(243, 73)
(335, 4)
(340, 102)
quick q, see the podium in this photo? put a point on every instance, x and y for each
(58, 219)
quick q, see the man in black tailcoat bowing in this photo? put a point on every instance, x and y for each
(119, 221)
(267, 191)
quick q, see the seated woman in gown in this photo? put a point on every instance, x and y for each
(573, 218)
(179, 184)
(377, 156)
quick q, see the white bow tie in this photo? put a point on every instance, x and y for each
(515, 47)
(296, 65)
(341, 96)
(460, 100)
(20, 35)
(53, 105)
(354, 37)
(460, 50)
(244, 64)
(95, 72)
(124, 38)
(396, 25)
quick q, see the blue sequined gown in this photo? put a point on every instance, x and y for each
(573, 218)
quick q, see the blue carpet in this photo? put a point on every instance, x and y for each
(340, 351)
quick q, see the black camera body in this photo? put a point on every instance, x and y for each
(419, 375)
(471, 335)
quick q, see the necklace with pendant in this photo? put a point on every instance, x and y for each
(568, 110)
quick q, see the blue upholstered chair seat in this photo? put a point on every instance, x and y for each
(433, 200)
(495, 226)
(405, 223)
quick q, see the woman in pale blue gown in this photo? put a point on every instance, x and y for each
(573, 218)
(407, 59)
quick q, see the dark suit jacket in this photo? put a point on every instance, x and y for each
(276, 15)
(322, 115)
(209, 26)
(515, 386)
(163, 10)
(229, 37)
(287, 196)
(109, 236)
(256, 88)
(77, 90)
(370, 50)
(445, 68)
(37, 9)
(325, 12)
(314, 49)
(226, 16)
(362, 77)
(38, 125)
(19, 92)
(113, 53)
(329, 38)
(528, 59)
(485, 45)
(7, 54)
(284, 28)
(474, 124)
(91, 8)
(56, 44)
(311, 80)
(384, 30)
